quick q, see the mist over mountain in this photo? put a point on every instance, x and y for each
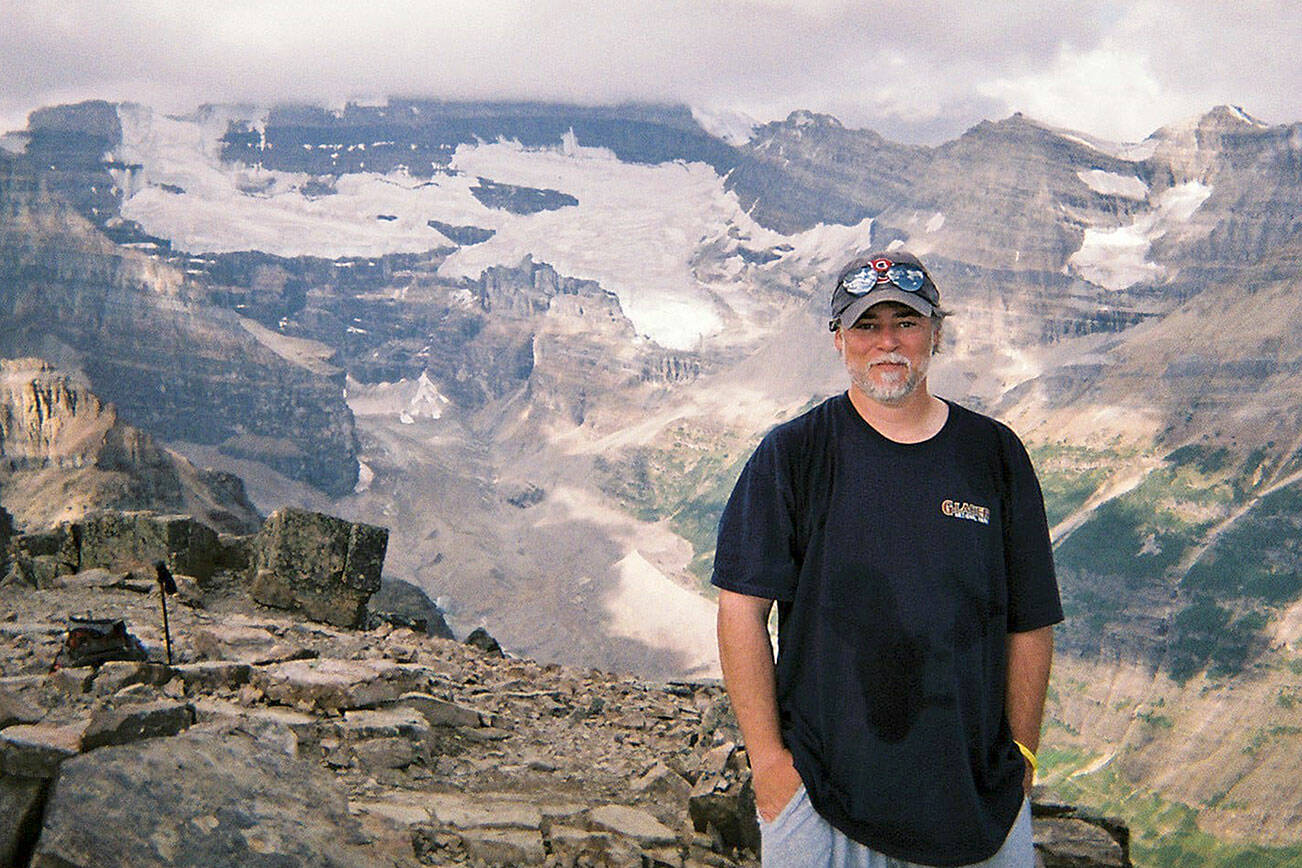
(536, 342)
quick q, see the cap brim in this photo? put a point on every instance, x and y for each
(856, 308)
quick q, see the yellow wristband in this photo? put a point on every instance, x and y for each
(1030, 757)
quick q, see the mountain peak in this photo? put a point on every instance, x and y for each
(806, 118)
(1227, 117)
(1218, 121)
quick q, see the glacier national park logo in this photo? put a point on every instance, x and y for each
(970, 511)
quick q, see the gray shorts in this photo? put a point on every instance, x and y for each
(800, 838)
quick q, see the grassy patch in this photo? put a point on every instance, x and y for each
(1205, 459)
(685, 477)
(1166, 833)
(1153, 719)
(1259, 558)
(1069, 475)
(1121, 539)
(1060, 761)
(1208, 635)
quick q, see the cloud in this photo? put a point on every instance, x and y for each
(920, 71)
(1107, 92)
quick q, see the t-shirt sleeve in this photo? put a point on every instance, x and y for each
(1033, 600)
(756, 552)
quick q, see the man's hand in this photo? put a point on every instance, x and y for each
(775, 783)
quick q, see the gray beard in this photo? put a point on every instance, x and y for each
(891, 392)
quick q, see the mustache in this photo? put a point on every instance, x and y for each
(892, 359)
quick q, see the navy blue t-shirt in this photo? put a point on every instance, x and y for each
(899, 569)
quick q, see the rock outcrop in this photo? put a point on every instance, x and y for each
(64, 452)
(144, 335)
(273, 740)
(122, 541)
(324, 566)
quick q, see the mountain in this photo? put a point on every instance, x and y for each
(135, 324)
(64, 454)
(537, 341)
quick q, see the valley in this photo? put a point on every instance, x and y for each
(537, 343)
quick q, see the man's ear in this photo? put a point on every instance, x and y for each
(936, 335)
(837, 339)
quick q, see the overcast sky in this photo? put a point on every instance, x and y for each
(913, 70)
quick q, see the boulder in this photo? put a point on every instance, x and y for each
(505, 847)
(21, 801)
(41, 555)
(405, 605)
(211, 676)
(663, 784)
(15, 708)
(440, 712)
(329, 684)
(470, 812)
(36, 750)
(1068, 837)
(633, 823)
(135, 540)
(115, 726)
(323, 566)
(727, 806)
(114, 675)
(573, 845)
(480, 638)
(198, 799)
(251, 645)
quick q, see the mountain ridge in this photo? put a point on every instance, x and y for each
(1102, 296)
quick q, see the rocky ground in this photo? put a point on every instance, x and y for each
(274, 740)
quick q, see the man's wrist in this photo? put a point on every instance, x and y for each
(762, 760)
(1029, 756)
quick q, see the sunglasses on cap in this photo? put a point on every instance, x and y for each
(909, 278)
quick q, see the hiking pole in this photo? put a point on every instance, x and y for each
(166, 585)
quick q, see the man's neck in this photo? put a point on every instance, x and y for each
(915, 418)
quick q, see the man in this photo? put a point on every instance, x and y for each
(904, 540)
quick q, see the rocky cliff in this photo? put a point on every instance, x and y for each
(141, 331)
(63, 453)
(269, 739)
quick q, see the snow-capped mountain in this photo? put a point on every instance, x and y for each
(536, 342)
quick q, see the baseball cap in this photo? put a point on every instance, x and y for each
(895, 275)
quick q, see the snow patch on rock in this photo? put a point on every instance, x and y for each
(734, 127)
(637, 229)
(408, 400)
(1112, 184)
(1117, 258)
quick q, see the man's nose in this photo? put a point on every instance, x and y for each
(888, 336)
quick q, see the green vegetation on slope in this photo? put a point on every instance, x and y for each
(1130, 548)
(1069, 475)
(1162, 833)
(685, 477)
(1259, 558)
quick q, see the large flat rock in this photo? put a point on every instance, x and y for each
(197, 799)
(333, 684)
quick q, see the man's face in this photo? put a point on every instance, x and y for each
(887, 352)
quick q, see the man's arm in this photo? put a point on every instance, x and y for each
(746, 656)
(1030, 656)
